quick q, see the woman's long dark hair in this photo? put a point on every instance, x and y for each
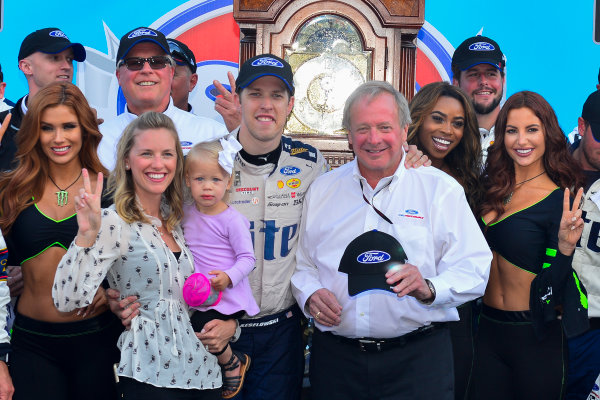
(464, 160)
(558, 162)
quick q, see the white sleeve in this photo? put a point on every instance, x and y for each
(464, 256)
(82, 269)
(305, 280)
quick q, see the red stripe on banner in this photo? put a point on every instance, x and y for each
(215, 39)
(426, 71)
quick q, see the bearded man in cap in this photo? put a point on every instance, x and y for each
(478, 69)
(385, 255)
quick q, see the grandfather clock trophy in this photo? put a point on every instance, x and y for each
(333, 47)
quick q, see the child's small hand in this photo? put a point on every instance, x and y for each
(220, 281)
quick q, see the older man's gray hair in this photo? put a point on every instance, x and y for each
(370, 90)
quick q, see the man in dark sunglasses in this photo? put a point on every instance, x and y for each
(185, 78)
(145, 71)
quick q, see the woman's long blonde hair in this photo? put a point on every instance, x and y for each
(121, 184)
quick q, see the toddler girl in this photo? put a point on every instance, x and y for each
(219, 238)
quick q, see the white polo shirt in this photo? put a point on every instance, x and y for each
(191, 128)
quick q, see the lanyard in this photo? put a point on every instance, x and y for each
(381, 214)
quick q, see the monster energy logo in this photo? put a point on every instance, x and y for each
(62, 198)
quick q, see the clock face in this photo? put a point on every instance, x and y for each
(323, 84)
(328, 63)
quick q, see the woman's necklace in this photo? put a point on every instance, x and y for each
(62, 196)
(508, 198)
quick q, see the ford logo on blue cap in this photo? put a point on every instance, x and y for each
(289, 170)
(482, 46)
(58, 33)
(267, 61)
(141, 32)
(373, 257)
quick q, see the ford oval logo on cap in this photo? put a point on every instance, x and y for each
(289, 170)
(373, 257)
(267, 61)
(141, 32)
(482, 46)
(58, 33)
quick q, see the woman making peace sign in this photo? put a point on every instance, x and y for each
(138, 245)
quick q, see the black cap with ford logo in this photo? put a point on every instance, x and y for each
(478, 50)
(263, 65)
(368, 258)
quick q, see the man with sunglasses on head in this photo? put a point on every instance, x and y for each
(145, 71)
(185, 78)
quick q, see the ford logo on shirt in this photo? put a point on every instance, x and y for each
(268, 61)
(411, 212)
(373, 257)
(289, 170)
(482, 46)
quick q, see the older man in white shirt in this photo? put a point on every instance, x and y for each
(145, 71)
(384, 337)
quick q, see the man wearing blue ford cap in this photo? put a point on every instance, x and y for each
(271, 175)
(478, 69)
(145, 71)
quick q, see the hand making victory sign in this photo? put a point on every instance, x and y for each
(88, 207)
(571, 223)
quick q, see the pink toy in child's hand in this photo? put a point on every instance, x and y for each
(197, 291)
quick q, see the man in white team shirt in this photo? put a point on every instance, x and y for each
(145, 72)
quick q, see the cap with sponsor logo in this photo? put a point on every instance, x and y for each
(139, 35)
(50, 41)
(591, 113)
(478, 50)
(182, 54)
(368, 258)
(263, 65)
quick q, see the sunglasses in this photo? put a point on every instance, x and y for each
(180, 56)
(137, 63)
